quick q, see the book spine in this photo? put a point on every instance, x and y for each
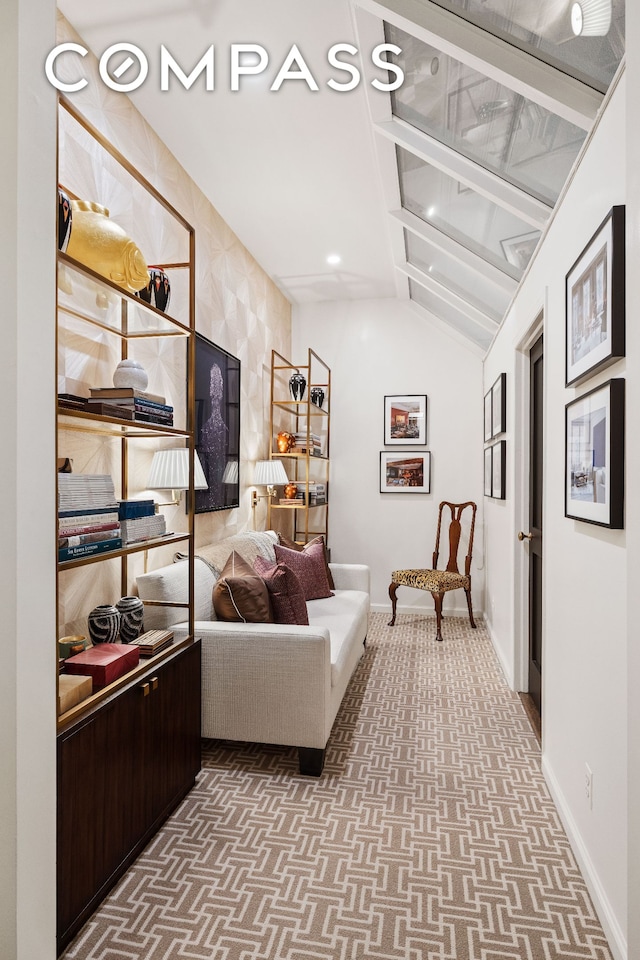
(152, 405)
(153, 418)
(89, 513)
(89, 549)
(124, 393)
(67, 530)
(82, 538)
(133, 509)
(131, 403)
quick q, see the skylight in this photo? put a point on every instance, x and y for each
(543, 28)
(497, 101)
(484, 120)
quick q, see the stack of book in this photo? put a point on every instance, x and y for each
(153, 641)
(317, 493)
(312, 445)
(131, 404)
(88, 515)
(139, 521)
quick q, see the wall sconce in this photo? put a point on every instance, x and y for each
(170, 471)
(591, 18)
(267, 473)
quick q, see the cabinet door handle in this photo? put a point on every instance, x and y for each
(154, 683)
(145, 689)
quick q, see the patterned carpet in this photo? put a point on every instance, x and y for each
(430, 836)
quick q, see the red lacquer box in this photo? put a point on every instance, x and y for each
(104, 663)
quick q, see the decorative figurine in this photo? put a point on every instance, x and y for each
(103, 246)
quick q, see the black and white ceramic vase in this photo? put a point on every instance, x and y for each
(64, 220)
(158, 290)
(104, 623)
(317, 396)
(131, 611)
(297, 386)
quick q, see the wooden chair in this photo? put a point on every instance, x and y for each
(439, 582)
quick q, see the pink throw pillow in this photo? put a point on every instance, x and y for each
(287, 599)
(309, 567)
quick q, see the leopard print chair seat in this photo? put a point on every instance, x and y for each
(438, 582)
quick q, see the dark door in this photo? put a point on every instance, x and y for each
(535, 527)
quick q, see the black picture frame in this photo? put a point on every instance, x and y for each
(498, 470)
(499, 406)
(405, 471)
(488, 472)
(217, 425)
(487, 416)
(595, 302)
(405, 420)
(594, 456)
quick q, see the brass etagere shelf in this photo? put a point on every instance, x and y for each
(98, 310)
(309, 421)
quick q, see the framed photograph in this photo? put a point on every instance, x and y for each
(405, 419)
(519, 250)
(488, 471)
(487, 416)
(498, 469)
(499, 406)
(405, 472)
(217, 425)
(595, 301)
(594, 456)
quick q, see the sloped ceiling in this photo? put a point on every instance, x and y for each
(437, 191)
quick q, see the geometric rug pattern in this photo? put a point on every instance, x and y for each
(431, 834)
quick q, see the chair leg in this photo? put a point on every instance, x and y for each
(392, 593)
(471, 620)
(437, 599)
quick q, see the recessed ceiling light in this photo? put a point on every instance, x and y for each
(591, 18)
(431, 211)
(334, 258)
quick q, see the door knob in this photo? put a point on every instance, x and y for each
(524, 536)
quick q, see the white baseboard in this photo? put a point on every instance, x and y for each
(612, 929)
(504, 665)
(425, 611)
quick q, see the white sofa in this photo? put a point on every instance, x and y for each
(267, 682)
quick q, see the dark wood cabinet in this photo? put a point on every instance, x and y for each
(122, 768)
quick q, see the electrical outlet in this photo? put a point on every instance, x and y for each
(588, 785)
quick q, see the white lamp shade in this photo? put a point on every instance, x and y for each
(591, 18)
(269, 472)
(170, 471)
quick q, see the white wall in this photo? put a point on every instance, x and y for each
(27, 475)
(585, 566)
(632, 455)
(377, 348)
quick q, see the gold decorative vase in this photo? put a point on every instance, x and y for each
(291, 491)
(103, 246)
(285, 441)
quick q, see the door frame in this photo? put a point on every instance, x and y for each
(521, 497)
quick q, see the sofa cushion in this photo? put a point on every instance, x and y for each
(301, 547)
(287, 599)
(170, 584)
(310, 568)
(345, 615)
(240, 595)
(249, 545)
